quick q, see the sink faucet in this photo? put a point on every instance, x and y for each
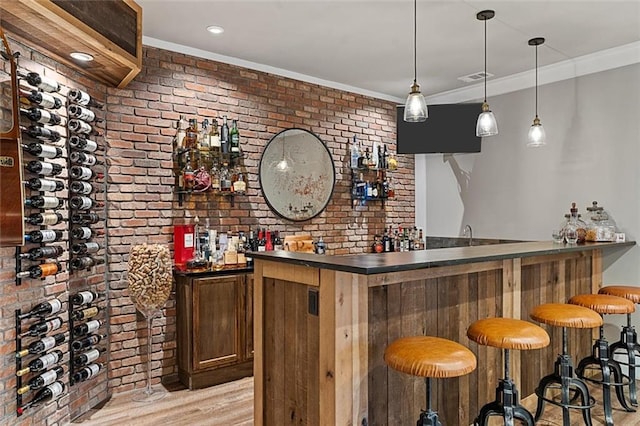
(468, 232)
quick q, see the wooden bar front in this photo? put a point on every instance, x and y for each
(321, 331)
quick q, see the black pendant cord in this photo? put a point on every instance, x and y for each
(536, 81)
(485, 61)
(415, 41)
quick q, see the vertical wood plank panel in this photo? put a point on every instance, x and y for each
(258, 345)
(378, 387)
(397, 382)
(327, 350)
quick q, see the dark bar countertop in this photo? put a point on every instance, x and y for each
(379, 263)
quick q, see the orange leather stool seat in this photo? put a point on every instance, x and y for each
(604, 303)
(565, 315)
(427, 356)
(628, 292)
(508, 333)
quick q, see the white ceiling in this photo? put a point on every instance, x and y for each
(367, 46)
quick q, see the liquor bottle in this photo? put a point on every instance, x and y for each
(85, 297)
(45, 84)
(83, 203)
(85, 262)
(277, 241)
(85, 313)
(86, 328)
(386, 242)
(225, 179)
(43, 309)
(43, 327)
(396, 240)
(234, 135)
(87, 372)
(421, 242)
(87, 342)
(88, 357)
(40, 271)
(81, 233)
(268, 244)
(85, 218)
(391, 240)
(49, 393)
(85, 248)
(43, 100)
(188, 174)
(42, 150)
(385, 155)
(81, 113)
(44, 219)
(191, 138)
(41, 116)
(45, 379)
(82, 127)
(81, 187)
(262, 242)
(39, 184)
(224, 136)
(214, 135)
(391, 192)
(44, 202)
(42, 133)
(181, 132)
(355, 153)
(39, 253)
(42, 363)
(42, 345)
(79, 97)
(240, 184)
(83, 173)
(204, 140)
(83, 158)
(80, 142)
(43, 236)
(248, 246)
(215, 177)
(44, 168)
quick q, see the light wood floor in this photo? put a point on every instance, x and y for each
(231, 404)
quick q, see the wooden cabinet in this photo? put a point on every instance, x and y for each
(214, 328)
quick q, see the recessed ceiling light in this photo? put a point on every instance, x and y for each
(85, 57)
(214, 29)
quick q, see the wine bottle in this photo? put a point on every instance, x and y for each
(43, 327)
(85, 313)
(44, 202)
(43, 236)
(88, 357)
(79, 142)
(84, 114)
(40, 271)
(42, 345)
(82, 233)
(83, 173)
(224, 136)
(82, 248)
(40, 132)
(43, 309)
(83, 203)
(43, 100)
(43, 83)
(85, 297)
(82, 98)
(85, 373)
(87, 342)
(84, 159)
(44, 168)
(49, 393)
(41, 116)
(44, 219)
(85, 219)
(86, 328)
(42, 363)
(42, 150)
(39, 184)
(85, 262)
(234, 135)
(81, 187)
(39, 253)
(42, 380)
(82, 127)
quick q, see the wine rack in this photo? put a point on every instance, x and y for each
(85, 304)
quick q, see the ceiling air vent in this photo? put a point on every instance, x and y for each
(476, 76)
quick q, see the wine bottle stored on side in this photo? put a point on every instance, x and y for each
(43, 236)
(49, 185)
(41, 363)
(79, 202)
(41, 116)
(80, 97)
(42, 99)
(88, 357)
(42, 150)
(81, 233)
(82, 127)
(85, 297)
(87, 372)
(85, 248)
(85, 218)
(81, 113)
(42, 380)
(43, 309)
(86, 328)
(44, 218)
(43, 327)
(39, 253)
(87, 342)
(81, 187)
(83, 158)
(83, 173)
(44, 202)
(42, 345)
(86, 313)
(43, 83)
(80, 142)
(49, 393)
(85, 262)
(42, 133)
(41, 271)
(44, 168)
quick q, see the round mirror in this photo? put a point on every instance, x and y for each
(297, 174)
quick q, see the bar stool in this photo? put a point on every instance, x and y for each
(628, 343)
(600, 356)
(507, 334)
(429, 357)
(565, 316)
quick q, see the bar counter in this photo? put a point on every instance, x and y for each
(322, 324)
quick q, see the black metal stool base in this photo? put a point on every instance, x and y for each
(628, 346)
(428, 418)
(506, 405)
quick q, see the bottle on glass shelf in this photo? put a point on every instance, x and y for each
(87, 342)
(240, 183)
(80, 142)
(44, 219)
(355, 153)
(42, 99)
(188, 175)
(85, 373)
(42, 133)
(85, 262)
(85, 313)
(44, 168)
(80, 126)
(85, 218)
(43, 151)
(41, 363)
(39, 184)
(79, 202)
(224, 136)
(46, 394)
(214, 135)
(225, 179)
(83, 173)
(43, 327)
(234, 137)
(181, 132)
(191, 138)
(88, 357)
(81, 113)
(40, 253)
(85, 297)
(44, 202)
(40, 346)
(41, 116)
(80, 97)
(41, 271)
(43, 309)
(45, 379)
(43, 83)
(80, 187)
(215, 177)
(43, 236)
(204, 140)
(86, 328)
(83, 158)
(85, 248)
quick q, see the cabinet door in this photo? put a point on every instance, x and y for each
(248, 341)
(216, 321)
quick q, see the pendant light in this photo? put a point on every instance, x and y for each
(415, 109)
(536, 136)
(487, 124)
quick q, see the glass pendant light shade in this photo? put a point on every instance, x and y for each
(415, 109)
(537, 136)
(487, 124)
